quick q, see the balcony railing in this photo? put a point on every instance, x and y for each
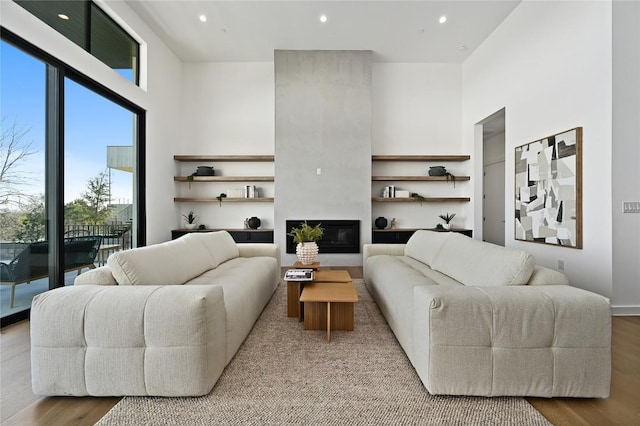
(111, 234)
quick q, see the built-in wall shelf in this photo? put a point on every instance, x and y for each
(224, 200)
(414, 200)
(402, 235)
(420, 157)
(418, 178)
(210, 158)
(223, 179)
(239, 235)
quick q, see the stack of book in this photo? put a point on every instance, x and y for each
(250, 191)
(299, 275)
(391, 192)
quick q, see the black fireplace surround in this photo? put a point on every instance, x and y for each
(340, 236)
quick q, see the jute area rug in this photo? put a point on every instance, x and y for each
(283, 374)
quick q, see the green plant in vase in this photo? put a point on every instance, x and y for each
(450, 178)
(447, 218)
(306, 237)
(190, 219)
(418, 197)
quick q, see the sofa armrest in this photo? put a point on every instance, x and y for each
(98, 276)
(546, 276)
(264, 250)
(128, 340)
(369, 250)
(547, 341)
(259, 249)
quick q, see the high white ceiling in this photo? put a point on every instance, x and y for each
(396, 31)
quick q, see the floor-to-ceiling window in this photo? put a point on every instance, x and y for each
(24, 250)
(73, 193)
(99, 169)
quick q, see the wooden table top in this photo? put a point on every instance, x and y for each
(299, 265)
(329, 292)
(331, 276)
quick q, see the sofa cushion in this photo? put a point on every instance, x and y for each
(477, 263)
(172, 262)
(425, 245)
(220, 245)
(438, 277)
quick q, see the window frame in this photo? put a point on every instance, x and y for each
(57, 71)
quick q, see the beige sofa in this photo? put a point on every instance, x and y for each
(162, 320)
(479, 319)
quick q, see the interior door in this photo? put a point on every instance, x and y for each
(493, 203)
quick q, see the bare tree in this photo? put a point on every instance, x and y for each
(13, 152)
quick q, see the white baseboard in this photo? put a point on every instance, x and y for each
(625, 310)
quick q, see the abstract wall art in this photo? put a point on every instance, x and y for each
(548, 190)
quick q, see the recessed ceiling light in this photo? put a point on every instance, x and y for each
(442, 19)
(63, 16)
(202, 18)
(323, 18)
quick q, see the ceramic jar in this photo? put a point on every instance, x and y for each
(381, 223)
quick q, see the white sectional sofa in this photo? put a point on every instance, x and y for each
(162, 320)
(479, 319)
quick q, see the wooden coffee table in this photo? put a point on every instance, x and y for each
(295, 307)
(329, 306)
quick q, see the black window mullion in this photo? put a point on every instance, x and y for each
(54, 166)
(87, 34)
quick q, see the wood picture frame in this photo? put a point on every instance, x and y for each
(548, 190)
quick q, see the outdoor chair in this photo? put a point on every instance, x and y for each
(32, 263)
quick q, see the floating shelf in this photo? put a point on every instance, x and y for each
(415, 200)
(420, 157)
(418, 178)
(224, 200)
(224, 179)
(209, 158)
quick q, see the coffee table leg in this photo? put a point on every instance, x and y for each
(328, 321)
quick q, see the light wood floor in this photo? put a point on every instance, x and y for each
(19, 406)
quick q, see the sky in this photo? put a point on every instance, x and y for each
(91, 123)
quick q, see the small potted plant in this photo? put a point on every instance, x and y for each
(306, 237)
(448, 217)
(190, 219)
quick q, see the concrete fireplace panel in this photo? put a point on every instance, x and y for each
(322, 142)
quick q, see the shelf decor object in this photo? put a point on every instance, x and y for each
(306, 237)
(206, 174)
(548, 196)
(435, 174)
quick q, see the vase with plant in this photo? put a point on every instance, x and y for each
(306, 237)
(448, 217)
(417, 197)
(450, 178)
(190, 219)
(221, 197)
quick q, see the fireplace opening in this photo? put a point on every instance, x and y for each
(340, 236)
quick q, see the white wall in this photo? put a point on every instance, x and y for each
(416, 110)
(626, 156)
(228, 109)
(549, 65)
(160, 98)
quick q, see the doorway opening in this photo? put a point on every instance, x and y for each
(493, 178)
